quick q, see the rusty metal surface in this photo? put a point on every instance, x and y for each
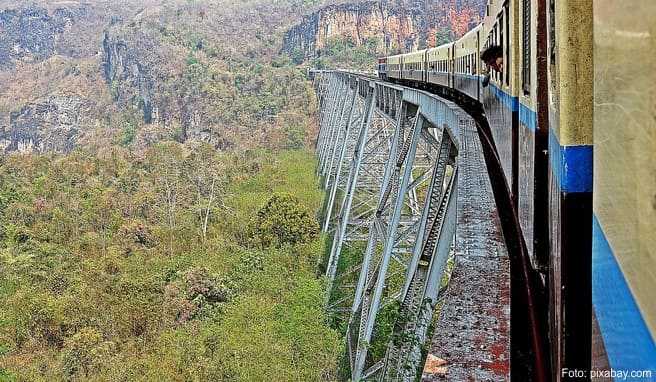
(472, 333)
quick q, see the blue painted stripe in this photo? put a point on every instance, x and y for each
(509, 101)
(528, 117)
(628, 343)
(571, 165)
(469, 76)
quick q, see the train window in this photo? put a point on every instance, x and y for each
(502, 43)
(526, 46)
(495, 40)
(507, 60)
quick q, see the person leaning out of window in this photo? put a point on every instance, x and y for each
(493, 58)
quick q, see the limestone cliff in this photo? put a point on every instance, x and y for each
(34, 34)
(392, 29)
(395, 25)
(50, 125)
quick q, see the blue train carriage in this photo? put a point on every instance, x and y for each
(624, 203)
(570, 87)
(468, 64)
(499, 98)
(414, 65)
(438, 71)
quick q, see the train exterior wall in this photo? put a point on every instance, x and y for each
(529, 130)
(437, 74)
(501, 113)
(440, 78)
(467, 83)
(624, 245)
(570, 152)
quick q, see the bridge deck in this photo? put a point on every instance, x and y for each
(472, 333)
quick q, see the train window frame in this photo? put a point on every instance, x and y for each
(507, 61)
(501, 42)
(526, 47)
(496, 42)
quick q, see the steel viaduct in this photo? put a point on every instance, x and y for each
(419, 267)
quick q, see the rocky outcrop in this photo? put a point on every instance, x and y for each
(51, 125)
(142, 77)
(130, 80)
(395, 25)
(35, 34)
(392, 29)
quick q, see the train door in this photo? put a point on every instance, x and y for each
(425, 71)
(452, 59)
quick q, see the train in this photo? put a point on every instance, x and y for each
(573, 124)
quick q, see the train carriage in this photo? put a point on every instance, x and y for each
(595, 265)
(438, 71)
(382, 68)
(466, 76)
(499, 99)
(532, 134)
(624, 168)
(414, 65)
(394, 66)
(570, 85)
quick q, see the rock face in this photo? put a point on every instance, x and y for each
(52, 125)
(130, 80)
(140, 76)
(144, 76)
(35, 34)
(360, 21)
(396, 25)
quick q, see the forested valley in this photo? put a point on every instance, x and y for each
(158, 200)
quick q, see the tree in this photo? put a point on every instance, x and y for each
(282, 221)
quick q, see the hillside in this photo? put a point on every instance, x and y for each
(158, 201)
(149, 151)
(107, 73)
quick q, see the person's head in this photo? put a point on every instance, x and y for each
(493, 57)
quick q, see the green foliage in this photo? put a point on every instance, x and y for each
(84, 353)
(296, 136)
(129, 133)
(385, 321)
(282, 221)
(5, 376)
(107, 271)
(344, 52)
(297, 56)
(443, 36)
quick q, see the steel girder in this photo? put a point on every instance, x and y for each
(388, 155)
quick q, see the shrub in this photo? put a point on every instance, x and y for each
(284, 221)
(136, 232)
(197, 294)
(84, 353)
